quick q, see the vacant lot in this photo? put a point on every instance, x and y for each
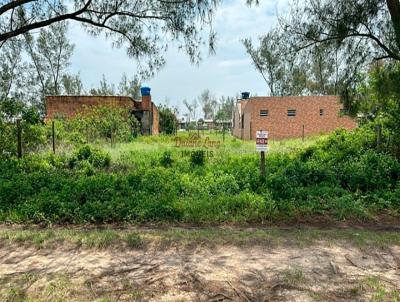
(219, 264)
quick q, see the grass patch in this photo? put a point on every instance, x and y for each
(139, 238)
(379, 290)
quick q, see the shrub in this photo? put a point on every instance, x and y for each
(103, 123)
(94, 157)
(166, 159)
(197, 158)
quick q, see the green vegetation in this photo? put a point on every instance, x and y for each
(133, 238)
(339, 177)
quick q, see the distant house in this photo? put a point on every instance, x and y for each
(289, 117)
(144, 110)
(211, 124)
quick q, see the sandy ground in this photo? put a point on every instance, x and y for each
(320, 272)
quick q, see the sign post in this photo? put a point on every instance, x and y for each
(262, 147)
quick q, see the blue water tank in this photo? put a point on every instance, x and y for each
(245, 95)
(145, 91)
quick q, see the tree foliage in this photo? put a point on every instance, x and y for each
(35, 65)
(105, 88)
(377, 98)
(144, 28)
(208, 103)
(104, 123)
(129, 87)
(167, 120)
(321, 46)
(225, 108)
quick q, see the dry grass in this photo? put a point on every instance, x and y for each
(210, 264)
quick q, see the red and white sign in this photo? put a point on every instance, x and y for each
(262, 141)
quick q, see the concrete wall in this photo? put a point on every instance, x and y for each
(281, 126)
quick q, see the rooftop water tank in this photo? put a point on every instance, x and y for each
(245, 95)
(145, 91)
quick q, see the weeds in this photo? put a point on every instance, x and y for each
(337, 178)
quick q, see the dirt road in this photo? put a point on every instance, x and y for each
(322, 270)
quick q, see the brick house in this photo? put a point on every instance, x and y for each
(288, 117)
(144, 110)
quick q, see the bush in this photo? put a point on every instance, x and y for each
(102, 123)
(88, 155)
(33, 132)
(166, 159)
(197, 158)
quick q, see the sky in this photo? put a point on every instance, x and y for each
(228, 72)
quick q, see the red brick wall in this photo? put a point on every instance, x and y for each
(281, 126)
(155, 128)
(146, 102)
(69, 106)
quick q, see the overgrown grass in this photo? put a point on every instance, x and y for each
(331, 178)
(229, 145)
(139, 238)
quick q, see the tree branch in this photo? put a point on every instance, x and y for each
(13, 4)
(44, 23)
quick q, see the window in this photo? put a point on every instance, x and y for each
(242, 121)
(321, 112)
(264, 113)
(291, 112)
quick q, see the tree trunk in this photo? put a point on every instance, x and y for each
(394, 10)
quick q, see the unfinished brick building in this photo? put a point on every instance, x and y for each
(144, 110)
(289, 117)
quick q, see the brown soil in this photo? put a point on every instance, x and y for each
(321, 272)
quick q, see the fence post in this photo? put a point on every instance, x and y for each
(53, 134)
(19, 138)
(303, 133)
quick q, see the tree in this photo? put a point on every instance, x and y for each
(191, 108)
(372, 24)
(334, 40)
(11, 67)
(72, 84)
(144, 27)
(105, 88)
(208, 103)
(53, 52)
(226, 105)
(49, 57)
(130, 87)
(320, 70)
(168, 121)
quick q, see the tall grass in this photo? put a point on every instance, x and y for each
(336, 177)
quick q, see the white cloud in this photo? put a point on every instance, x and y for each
(237, 62)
